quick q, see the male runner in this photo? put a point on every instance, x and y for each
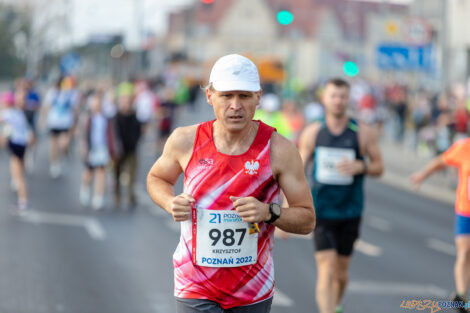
(234, 168)
(339, 147)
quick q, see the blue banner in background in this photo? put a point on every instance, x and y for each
(400, 57)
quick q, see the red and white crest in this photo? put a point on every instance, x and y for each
(251, 167)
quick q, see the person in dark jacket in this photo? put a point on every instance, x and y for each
(127, 131)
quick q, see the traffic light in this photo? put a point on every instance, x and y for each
(285, 17)
(350, 68)
(207, 1)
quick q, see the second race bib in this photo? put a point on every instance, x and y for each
(327, 160)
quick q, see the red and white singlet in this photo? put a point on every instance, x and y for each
(228, 270)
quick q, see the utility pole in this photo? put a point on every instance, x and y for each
(444, 48)
(139, 19)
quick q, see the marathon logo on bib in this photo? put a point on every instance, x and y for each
(327, 160)
(222, 239)
(252, 167)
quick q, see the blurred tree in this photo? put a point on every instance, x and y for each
(14, 33)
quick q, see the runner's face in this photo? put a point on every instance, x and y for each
(335, 100)
(234, 109)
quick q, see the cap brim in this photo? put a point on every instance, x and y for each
(236, 85)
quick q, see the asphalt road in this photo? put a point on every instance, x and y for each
(63, 258)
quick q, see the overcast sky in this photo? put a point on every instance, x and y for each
(89, 17)
(111, 16)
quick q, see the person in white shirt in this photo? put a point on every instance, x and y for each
(16, 135)
(61, 107)
(96, 152)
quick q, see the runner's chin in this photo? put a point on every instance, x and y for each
(236, 122)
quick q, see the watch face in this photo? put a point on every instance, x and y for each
(276, 209)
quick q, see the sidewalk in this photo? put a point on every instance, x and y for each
(400, 162)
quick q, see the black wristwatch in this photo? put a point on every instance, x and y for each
(275, 210)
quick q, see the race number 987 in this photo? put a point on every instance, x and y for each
(229, 236)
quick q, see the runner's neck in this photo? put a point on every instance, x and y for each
(234, 143)
(337, 125)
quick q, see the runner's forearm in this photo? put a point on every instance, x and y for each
(435, 165)
(160, 191)
(374, 169)
(297, 220)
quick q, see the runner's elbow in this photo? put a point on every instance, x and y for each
(309, 225)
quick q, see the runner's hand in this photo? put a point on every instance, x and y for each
(181, 207)
(417, 179)
(350, 168)
(251, 209)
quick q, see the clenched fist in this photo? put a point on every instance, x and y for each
(181, 207)
(251, 209)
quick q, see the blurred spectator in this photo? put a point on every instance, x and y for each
(269, 113)
(166, 115)
(97, 150)
(62, 108)
(294, 117)
(420, 114)
(127, 131)
(396, 96)
(16, 135)
(144, 103)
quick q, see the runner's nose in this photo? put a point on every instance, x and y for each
(235, 104)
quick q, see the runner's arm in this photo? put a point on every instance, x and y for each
(307, 142)
(166, 170)
(287, 166)
(375, 166)
(435, 165)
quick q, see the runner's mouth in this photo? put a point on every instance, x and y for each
(235, 117)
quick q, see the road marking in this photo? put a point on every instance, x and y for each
(281, 299)
(379, 223)
(92, 225)
(368, 248)
(441, 246)
(395, 288)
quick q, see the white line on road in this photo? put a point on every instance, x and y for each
(95, 229)
(368, 248)
(92, 225)
(379, 223)
(395, 288)
(441, 246)
(281, 299)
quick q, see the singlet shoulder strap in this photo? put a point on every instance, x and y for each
(264, 135)
(203, 134)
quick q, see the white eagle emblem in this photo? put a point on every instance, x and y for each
(251, 167)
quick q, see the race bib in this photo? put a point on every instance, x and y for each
(327, 160)
(98, 156)
(222, 239)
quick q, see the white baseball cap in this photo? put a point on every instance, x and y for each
(234, 72)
